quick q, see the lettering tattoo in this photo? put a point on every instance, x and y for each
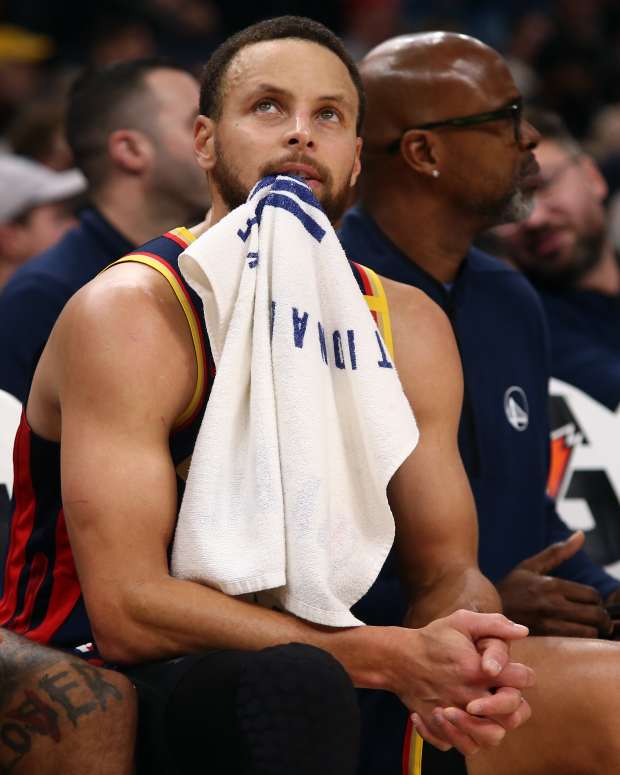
(36, 716)
(96, 682)
(35, 698)
(58, 688)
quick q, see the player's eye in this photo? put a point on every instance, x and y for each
(329, 114)
(265, 106)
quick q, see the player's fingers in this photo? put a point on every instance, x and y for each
(517, 676)
(423, 730)
(505, 701)
(495, 655)
(479, 626)
(469, 733)
(451, 732)
(516, 719)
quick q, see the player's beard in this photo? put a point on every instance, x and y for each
(234, 193)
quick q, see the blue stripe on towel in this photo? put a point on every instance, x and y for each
(301, 190)
(284, 202)
(263, 183)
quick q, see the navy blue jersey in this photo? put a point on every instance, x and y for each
(504, 433)
(41, 596)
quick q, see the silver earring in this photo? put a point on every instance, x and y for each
(435, 173)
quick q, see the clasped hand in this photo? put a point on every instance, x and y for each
(467, 693)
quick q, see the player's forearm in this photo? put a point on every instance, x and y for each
(454, 589)
(166, 618)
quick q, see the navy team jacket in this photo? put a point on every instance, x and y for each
(504, 433)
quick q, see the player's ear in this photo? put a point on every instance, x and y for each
(204, 142)
(357, 164)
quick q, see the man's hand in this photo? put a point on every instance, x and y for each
(552, 606)
(443, 678)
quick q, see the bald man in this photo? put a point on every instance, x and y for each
(446, 156)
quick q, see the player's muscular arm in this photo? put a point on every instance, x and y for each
(127, 373)
(436, 524)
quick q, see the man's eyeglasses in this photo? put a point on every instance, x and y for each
(514, 111)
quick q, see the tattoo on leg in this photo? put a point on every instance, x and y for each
(37, 716)
(59, 692)
(18, 741)
(26, 679)
(100, 688)
(20, 657)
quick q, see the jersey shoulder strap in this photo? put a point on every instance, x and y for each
(162, 254)
(374, 295)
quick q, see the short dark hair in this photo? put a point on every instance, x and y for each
(298, 27)
(551, 126)
(103, 100)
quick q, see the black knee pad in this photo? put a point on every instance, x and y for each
(298, 713)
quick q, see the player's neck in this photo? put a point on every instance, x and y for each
(604, 277)
(433, 237)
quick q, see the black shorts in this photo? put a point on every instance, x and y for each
(155, 684)
(384, 722)
(284, 709)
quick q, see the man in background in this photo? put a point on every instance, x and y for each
(446, 156)
(129, 126)
(564, 249)
(35, 209)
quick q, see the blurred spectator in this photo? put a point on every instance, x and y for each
(34, 209)
(564, 249)
(21, 53)
(187, 30)
(120, 39)
(130, 128)
(369, 22)
(604, 135)
(38, 132)
(529, 33)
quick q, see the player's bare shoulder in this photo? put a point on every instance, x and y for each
(414, 315)
(425, 349)
(124, 336)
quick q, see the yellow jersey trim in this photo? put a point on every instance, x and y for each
(194, 325)
(378, 303)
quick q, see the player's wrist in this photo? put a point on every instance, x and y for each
(371, 656)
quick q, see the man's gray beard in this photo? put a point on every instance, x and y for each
(518, 208)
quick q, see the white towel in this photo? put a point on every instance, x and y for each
(307, 420)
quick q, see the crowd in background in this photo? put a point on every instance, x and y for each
(564, 53)
(131, 137)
